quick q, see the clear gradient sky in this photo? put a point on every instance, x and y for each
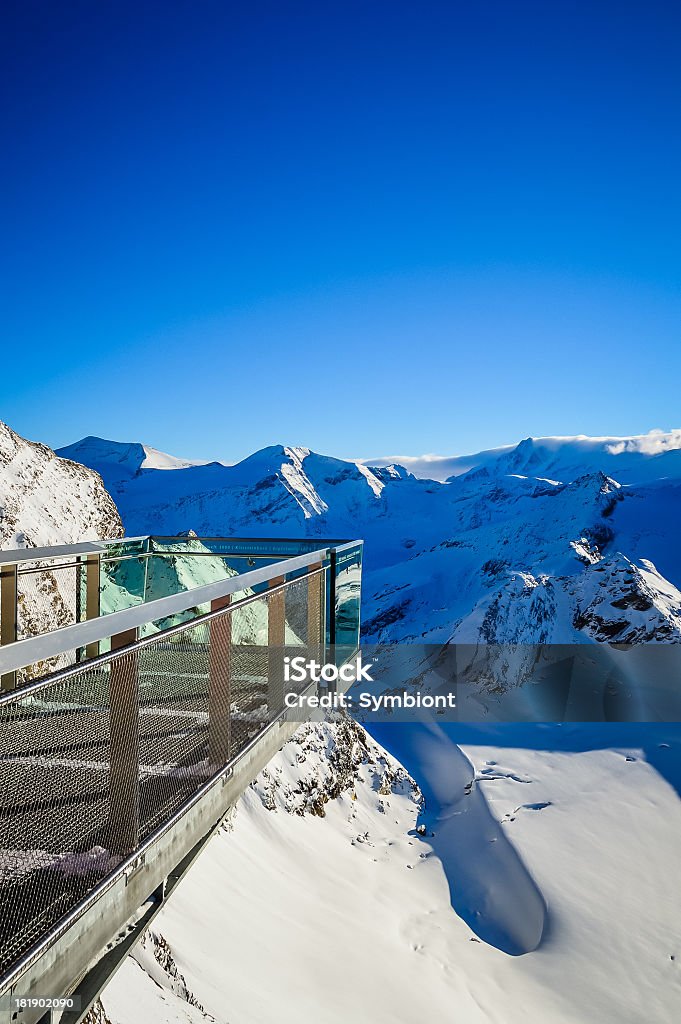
(365, 227)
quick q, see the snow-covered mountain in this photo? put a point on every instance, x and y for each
(120, 462)
(46, 500)
(557, 540)
(628, 458)
(535, 877)
(531, 561)
(279, 491)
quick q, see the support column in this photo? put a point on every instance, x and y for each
(124, 796)
(92, 606)
(315, 613)
(8, 617)
(276, 636)
(219, 684)
(332, 600)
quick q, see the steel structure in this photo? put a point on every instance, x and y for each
(117, 765)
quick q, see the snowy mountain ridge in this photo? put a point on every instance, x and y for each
(556, 540)
(623, 455)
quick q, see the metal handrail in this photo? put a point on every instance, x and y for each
(108, 559)
(23, 653)
(177, 538)
(13, 556)
(62, 675)
(347, 544)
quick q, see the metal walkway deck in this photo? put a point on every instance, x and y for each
(116, 768)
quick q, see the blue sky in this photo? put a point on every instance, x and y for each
(368, 228)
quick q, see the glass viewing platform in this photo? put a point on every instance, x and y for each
(143, 689)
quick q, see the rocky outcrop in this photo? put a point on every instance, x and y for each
(47, 500)
(328, 759)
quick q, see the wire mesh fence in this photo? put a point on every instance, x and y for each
(97, 759)
(48, 595)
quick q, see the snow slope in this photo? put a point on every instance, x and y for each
(121, 461)
(563, 847)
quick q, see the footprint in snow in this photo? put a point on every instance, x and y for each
(488, 775)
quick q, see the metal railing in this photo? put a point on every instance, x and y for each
(44, 589)
(98, 756)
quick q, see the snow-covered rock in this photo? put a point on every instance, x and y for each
(47, 500)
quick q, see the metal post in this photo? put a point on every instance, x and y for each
(92, 597)
(219, 683)
(148, 556)
(8, 617)
(78, 584)
(332, 601)
(124, 799)
(276, 636)
(315, 605)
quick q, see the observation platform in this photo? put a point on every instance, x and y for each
(142, 691)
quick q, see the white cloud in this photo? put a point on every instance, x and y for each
(653, 443)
